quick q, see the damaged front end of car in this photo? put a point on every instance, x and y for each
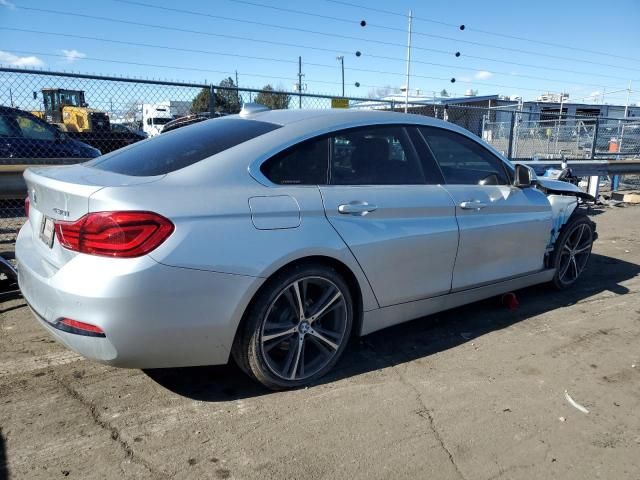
(566, 200)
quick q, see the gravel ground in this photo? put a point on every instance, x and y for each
(473, 393)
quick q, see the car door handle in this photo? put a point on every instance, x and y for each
(474, 205)
(356, 208)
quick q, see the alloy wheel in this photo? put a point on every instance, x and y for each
(304, 328)
(575, 253)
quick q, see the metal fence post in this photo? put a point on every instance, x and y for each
(595, 138)
(212, 100)
(511, 129)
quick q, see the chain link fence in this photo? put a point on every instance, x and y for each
(51, 118)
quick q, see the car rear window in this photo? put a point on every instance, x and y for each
(180, 148)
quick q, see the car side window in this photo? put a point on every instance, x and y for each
(5, 127)
(34, 130)
(462, 160)
(379, 155)
(304, 164)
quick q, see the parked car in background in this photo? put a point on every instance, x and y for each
(189, 120)
(122, 128)
(24, 136)
(274, 236)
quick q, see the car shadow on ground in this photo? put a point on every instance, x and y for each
(4, 468)
(412, 340)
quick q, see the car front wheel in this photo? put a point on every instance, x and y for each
(572, 250)
(296, 328)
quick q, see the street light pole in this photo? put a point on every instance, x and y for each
(341, 59)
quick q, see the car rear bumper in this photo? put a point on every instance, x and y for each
(152, 315)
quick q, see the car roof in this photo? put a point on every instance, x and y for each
(6, 109)
(297, 126)
(329, 118)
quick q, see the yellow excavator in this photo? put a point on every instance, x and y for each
(68, 111)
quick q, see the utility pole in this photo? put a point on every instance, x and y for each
(341, 59)
(406, 93)
(626, 105)
(300, 82)
(237, 79)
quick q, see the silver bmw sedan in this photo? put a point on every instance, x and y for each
(274, 236)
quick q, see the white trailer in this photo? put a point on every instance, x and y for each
(155, 116)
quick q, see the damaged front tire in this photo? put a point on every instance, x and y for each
(572, 250)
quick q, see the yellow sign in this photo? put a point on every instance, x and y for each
(339, 103)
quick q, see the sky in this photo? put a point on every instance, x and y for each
(585, 48)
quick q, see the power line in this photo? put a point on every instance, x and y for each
(237, 37)
(515, 74)
(486, 32)
(254, 40)
(552, 44)
(288, 10)
(386, 27)
(208, 33)
(219, 17)
(141, 64)
(544, 67)
(297, 29)
(389, 12)
(180, 67)
(210, 52)
(199, 32)
(168, 47)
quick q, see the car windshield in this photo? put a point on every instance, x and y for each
(181, 148)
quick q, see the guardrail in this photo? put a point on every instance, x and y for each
(588, 168)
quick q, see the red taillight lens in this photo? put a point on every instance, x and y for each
(84, 327)
(27, 204)
(115, 234)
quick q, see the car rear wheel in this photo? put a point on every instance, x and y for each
(572, 251)
(297, 327)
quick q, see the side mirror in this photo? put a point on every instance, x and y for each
(525, 176)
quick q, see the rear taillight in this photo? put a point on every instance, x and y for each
(114, 234)
(27, 204)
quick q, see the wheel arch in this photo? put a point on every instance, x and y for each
(350, 277)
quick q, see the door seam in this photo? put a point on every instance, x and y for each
(455, 215)
(324, 209)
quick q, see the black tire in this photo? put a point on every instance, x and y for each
(274, 362)
(572, 250)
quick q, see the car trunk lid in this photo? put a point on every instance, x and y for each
(62, 194)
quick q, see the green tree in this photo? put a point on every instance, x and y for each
(275, 101)
(201, 102)
(230, 101)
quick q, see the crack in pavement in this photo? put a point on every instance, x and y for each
(114, 434)
(424, 412)
(428, 415)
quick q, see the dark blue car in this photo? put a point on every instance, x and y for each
(25, 136)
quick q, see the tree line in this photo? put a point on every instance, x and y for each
(228, 100)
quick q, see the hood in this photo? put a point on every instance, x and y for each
(87, 150)
(563, 188)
